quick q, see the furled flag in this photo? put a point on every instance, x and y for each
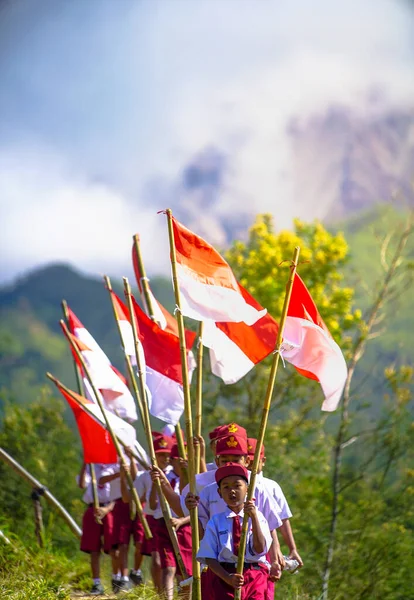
(106, 378)
(235, 347)
(163, 374)
(208, 287)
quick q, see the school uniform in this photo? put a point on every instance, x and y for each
(211, 466)
(123, 525)
(96, 536)
(220, 542)
(211, 503)
(201, 481)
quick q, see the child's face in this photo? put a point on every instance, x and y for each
(176, 465)
(233, 490)
(163, 459)
(223, 459)
(260, 466)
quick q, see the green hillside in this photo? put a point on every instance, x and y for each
(31, 342)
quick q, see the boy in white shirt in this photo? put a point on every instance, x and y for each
(220, 545)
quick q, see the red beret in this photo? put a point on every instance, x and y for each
(231, 469)
(231, 444)
(217, 433)
(162, 444)
(251, 447)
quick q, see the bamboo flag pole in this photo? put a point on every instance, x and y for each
(84, 407)
(130, 370)
(147, 300)
(265, 413)
(119, 452)
(199, 394)
(196, 591)
(34, 483)
(147, 427)
(81, 393)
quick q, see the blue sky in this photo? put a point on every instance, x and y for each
(104, 104)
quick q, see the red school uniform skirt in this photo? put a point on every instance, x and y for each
(166, 549)
(96, 536)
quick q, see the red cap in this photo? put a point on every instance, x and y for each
(231, 444)
(231, 469)
(175, 452)
(162, 444)
(251, 447)
(230, 429)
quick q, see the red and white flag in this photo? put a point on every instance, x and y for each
(235, 347)
(163, 373)
(106, 378)
(208, 287)
(164, 318)
(96, 440)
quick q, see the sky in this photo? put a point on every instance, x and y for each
(111, 110)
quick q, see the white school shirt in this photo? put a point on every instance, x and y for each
(275, 490)
(103, 490)
(217, 542)
(211, 504)
(211, 466)
(201, 481)
(143, 485)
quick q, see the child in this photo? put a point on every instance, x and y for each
(96, 524)
(219, 547)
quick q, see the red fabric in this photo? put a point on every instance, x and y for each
(251, 447)
(122, 523)
(172, 326)
(162, 349)
(93, 533)
(231, 444)
(236, 534)
(301, 305)
(166, 550)
(231, 469)
(270, 592)
(254, 587)
(150, 546)
(256, 341)
(96, 441)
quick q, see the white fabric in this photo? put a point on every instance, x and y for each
(143, 485)
(275, 490)
(211, 504)
(201, 301)
(227, 360)
(211, 466)
(167, 397)
(84, 336)
(310, 348)
(103, 490)
(217, 542)
(123, 430)
(115, 484)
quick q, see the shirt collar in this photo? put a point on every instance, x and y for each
(230, 514)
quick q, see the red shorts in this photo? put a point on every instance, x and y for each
(270, 592)
(254, 587)
(124, 526)
(92, 532)
(150, 546)
(166, 549)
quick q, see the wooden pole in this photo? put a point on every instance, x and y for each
(147, 427)
(265, 413)
(115, 441)
(196, 591)
(130, 370)
(199, 394)
(81, 393)
(34, 483)
(147, 301)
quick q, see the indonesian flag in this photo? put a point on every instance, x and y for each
(96, 440)
(164, 374)
(208, 287)
(109, 382)
(164, 318)
(235, 347)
